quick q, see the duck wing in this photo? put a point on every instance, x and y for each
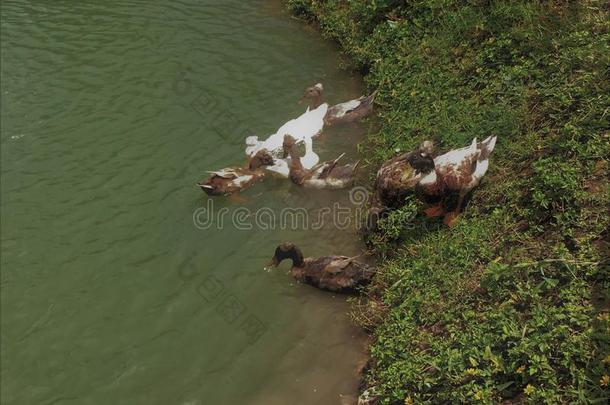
(342, 109)
(394, 167)
(329, 166)
(485, 148)
(336, 264)
(456, 156)
(333, 273)
(347, 271)
(345, 171)
(395, 180)
(302, 128)
(306, 126)
(465, 165)
(226, 173)
(455, 168)
(339, 264)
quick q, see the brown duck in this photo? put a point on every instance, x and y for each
(332, 273)
(232, 179)
(324, 175)
(348, 111)
(391, 189)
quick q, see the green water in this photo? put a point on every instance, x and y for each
(110, 113)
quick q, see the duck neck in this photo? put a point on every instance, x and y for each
(297, 257)
(254, 163)
(295, 160)
(316, 101)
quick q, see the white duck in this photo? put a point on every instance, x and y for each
(302, 128)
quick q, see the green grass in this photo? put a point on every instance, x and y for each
(512, 304)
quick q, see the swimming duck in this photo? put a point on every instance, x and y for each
(309, 160)
(232, 179)
(341, 113)
(332, 273)
(436, 178)
(303, 128)
(324, 175)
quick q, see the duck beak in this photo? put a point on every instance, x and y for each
(405, 156)
(273, 263)
(302, 100)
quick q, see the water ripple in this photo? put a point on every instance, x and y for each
(101, 264)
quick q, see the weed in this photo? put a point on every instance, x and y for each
(511, 304)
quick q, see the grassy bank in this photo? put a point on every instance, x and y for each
(512, 304)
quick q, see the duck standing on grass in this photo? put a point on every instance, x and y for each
(232, 179)
(348, 111)
(332, 273)
(391, 189)
(455, 172)
(434, 179)
(325, 175)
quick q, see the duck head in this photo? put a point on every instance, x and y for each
(420, 164)
(261, 158)
(287, 250)
(313, 95)
(426, 148)
(422, 160)
(287, 145)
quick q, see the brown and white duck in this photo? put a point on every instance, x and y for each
(332, 273)
(232, 179)
(390, 186)
(324, 175)
(348, 111)
(435, 179)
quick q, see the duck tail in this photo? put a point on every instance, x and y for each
(486, 147)
(329, 168)
(339, 158)
(369, 99)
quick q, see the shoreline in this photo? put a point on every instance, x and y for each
(506, 307)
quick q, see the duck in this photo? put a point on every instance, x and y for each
(331, 273)
(434, 179)
(309, 160)
(348, 111)
(390, 187)
(303, 128)
(233, 179)
(326, 175)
